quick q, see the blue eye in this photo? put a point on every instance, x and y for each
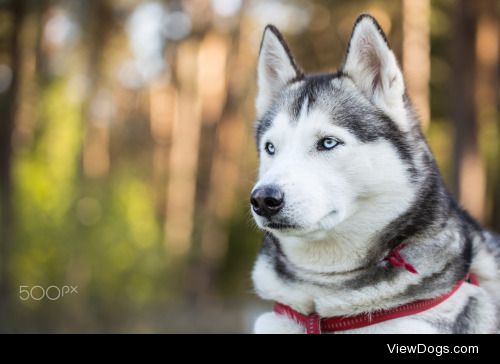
(269, 147)
(327, 143)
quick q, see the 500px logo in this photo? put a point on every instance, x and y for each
(51, 293)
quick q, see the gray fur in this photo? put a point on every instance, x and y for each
(464, 322)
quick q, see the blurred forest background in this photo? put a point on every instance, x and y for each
(127, 152)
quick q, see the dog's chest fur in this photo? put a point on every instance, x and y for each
(471, 309)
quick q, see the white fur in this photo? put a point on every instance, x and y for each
(271, 323)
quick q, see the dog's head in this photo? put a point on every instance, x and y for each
(336, 147)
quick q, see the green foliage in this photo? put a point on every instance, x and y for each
(45, 178)
(100, 235)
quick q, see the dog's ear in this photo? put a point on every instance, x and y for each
(275, 68)
(372, 65)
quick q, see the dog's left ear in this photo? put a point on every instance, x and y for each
(373, 67)
(275, 68)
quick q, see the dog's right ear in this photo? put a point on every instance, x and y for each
(276, 67)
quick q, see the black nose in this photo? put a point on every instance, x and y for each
(267, 200)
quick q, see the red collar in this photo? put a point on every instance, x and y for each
(314, 324)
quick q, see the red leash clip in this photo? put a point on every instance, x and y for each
(397, 260)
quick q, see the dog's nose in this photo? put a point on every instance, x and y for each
(267, 200)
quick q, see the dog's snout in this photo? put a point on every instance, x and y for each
(267, 200)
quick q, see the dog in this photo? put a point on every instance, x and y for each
(361, 234)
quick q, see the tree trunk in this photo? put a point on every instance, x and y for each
(468, 171)
(416, 55)
(495, 219)
(486, 100)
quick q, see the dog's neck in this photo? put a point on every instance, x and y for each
(321, 276)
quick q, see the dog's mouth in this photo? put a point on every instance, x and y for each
(281, 226)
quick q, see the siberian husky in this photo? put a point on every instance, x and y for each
(357, 219)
